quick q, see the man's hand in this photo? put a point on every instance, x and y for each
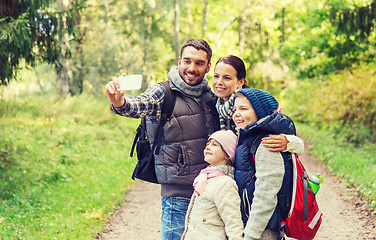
(115, 96)
(275, 143)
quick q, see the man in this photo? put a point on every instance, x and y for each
(185, 133)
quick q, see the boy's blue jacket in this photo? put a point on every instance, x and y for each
(248, 142)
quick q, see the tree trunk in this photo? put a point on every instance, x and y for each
(176, 7)
(261, 31)
(224, 29)
(62, 79)
(204, 27)
(283, 24)
(61, 67)
(76, 85)
(147, 41)
(242, 20)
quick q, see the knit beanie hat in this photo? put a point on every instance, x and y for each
(228, 141)
(262, 102)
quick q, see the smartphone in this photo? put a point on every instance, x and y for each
(130, 82)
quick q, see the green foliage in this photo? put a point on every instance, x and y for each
(101, 62)
(333, 35)
(124, 36)
(356, 20)
(64, 166)
(15, 45)
(345, 101)
(310, 38)
(357, 165)
(30, 31)
(355, 35)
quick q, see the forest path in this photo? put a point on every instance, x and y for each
(345, 216)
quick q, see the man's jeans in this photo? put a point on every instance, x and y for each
(173, 217)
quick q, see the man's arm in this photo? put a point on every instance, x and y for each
(148, 103)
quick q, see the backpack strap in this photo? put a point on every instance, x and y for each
(139, 130)
(305, 195)
(167, 108)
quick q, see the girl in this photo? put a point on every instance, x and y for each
(214, 209)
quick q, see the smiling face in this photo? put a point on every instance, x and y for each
(244, 113)
(193, 65)
(225, 81)
(214, 154)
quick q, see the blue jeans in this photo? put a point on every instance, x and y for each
(173, 217)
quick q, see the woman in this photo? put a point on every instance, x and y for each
(229, 75)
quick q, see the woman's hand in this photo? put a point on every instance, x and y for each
(275, 143)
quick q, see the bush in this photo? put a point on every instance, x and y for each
(344, 101)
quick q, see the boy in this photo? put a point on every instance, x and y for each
(263, 177)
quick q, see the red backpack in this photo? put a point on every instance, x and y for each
(304, 218)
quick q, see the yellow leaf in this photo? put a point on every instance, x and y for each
(95, 213)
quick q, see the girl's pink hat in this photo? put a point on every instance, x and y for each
(228, 141)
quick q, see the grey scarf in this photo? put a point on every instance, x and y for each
(194, 91)
(225, 111)
(226, 169)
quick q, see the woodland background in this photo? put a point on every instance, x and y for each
(64, 157)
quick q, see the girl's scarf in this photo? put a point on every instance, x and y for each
(209, 172)
(225, 111)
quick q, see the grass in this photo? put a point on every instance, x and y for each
(357, 165)
(64, 166)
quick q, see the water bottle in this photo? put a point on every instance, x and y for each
(314, 182)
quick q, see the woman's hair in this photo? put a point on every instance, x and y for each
(236, 63)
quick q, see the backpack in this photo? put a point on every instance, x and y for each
(144, 169)
(305, 217)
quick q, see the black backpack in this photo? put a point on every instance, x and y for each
(145, 169)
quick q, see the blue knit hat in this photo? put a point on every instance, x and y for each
(262, 102)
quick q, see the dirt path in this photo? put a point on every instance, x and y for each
(345, 216)
(140, 217)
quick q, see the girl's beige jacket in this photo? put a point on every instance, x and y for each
(215, 214)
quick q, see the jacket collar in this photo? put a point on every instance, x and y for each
(276, 123)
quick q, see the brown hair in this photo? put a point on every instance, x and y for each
(237, 64)
(199, 44)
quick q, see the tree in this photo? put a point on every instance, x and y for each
(77, 62)
(29, 32)
(61, 64)
(176, 28)
(204, 27)
(354, 26)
